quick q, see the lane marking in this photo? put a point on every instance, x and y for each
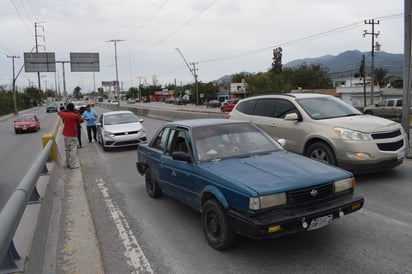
(135, 256)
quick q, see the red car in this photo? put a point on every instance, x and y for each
(26, 123)
(228, 106)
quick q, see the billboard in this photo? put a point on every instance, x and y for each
(84, 62)
(39, 62)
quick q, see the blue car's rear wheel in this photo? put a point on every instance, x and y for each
(219, 233)
(152, 187)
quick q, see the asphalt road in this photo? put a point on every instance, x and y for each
(137, 234)
(167, 235)
(18, 151)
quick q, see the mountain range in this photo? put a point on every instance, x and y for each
(346, 64)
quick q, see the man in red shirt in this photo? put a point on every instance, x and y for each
(71, 119)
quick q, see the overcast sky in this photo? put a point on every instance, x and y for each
(221, 36)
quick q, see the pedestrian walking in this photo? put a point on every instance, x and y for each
(90, 116)
(79, 128)
(71, 118)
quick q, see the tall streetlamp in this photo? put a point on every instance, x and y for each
(116, 87)
(193, 72)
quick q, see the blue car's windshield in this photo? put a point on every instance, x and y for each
(327, 107)
(231, 140)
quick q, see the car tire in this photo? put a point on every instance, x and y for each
(99, 138)
(152, 187)
(321, 152)
(219, 233)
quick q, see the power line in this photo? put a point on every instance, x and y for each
(300, 40)
(148, 21)
(177, 29)
(21, 18)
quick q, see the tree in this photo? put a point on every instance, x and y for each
(132, 93)
(277, 60)
(308, 77)
(380, 76)
(76, 93)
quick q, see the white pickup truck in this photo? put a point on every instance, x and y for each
(388, 108)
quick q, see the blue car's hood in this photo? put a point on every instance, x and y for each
(280, 171)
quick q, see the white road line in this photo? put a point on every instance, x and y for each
(133, 252)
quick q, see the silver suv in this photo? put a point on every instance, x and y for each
(325, 128)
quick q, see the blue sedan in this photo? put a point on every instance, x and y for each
(242, 181)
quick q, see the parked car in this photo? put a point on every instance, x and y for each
(325, 128)
(242, 181)
(79, 105)
(131, 101)
(52, 107)
(227, 106)
(26, 123)
(180, 101)
(387, 108)
(213, 104)
(114, 102)
(119, 129)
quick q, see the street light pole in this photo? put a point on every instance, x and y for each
(117, 73)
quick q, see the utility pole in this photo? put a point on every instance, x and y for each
(374, 34)
(196, 83)
(406, 114)
(14, 85)
(363, 74)
(117, 74)
(64, 81)
(36, 25)
(193, 72)
(140, 92)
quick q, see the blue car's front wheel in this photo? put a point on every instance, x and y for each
(216, 227)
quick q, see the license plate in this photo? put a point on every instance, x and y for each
(320, 222)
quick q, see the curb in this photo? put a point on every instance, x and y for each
(78, 250)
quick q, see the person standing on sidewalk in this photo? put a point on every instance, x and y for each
(79, 127)
(90, 115)
(71, 118)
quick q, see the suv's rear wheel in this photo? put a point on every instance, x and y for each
(321, 152)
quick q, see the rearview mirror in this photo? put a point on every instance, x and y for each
(291, 117)
(281, 142)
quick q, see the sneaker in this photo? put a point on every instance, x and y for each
(74, 167)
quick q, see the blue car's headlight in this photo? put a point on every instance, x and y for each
(343, 185)
(261, 202)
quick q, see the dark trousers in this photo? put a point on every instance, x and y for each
(79, 134)
(89, 133)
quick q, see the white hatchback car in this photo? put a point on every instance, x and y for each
(325, 128)
(119, 129)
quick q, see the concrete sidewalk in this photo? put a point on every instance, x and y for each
(65, 229)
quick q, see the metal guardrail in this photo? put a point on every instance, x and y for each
(13, 210)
